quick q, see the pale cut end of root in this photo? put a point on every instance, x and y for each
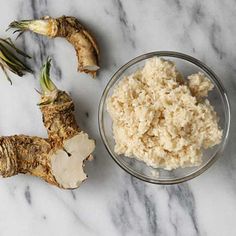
(67, 163)
(92, 70)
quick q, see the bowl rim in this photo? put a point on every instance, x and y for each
(225, 100)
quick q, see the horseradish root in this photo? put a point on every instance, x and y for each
(70, 28)
(8, 61)
(58, 159)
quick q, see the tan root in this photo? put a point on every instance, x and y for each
(59, 159)
(70, 28)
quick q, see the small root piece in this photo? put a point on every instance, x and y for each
(70, 28)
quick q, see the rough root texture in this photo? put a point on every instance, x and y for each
(85, 45)
(70, 28)
(59, 159)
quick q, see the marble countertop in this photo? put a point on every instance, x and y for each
(111, 202)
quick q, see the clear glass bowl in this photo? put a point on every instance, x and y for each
(218, 98)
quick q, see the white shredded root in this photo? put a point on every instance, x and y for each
(158, 118)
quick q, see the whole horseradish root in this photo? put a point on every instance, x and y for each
(70, 28)
(59, 159)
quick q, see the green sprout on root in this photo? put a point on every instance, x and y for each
(49, 89)
(8, 60)
(20, 25)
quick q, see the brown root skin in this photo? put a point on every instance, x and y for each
(84, 43)
(58, 118)
(29, 155)
(33, 155)
(26, 155)
(70, 28)
(59, 159)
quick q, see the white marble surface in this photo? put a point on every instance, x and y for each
(111, 202)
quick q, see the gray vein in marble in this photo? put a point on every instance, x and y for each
(28, 195)
(73, 194)
(124, 23)
(43, 45)
(215, 39)
(39, 8)
(187, 39)
(186, 200)
(75, 214)
(123, 215)
(108, 12)
(24, 48)
(152, 215)
(149, 206)
(178, 4)
(56, 70)
(175, 3)
(127, 218)
(197, 12)
(40, 56)
(173, 223)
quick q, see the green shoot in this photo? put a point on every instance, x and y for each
(8, 60)
(49, 89)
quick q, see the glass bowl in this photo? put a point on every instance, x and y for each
(218, 98)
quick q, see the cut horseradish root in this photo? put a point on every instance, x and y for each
(70, 28)
(65, 162)
(59, 159)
